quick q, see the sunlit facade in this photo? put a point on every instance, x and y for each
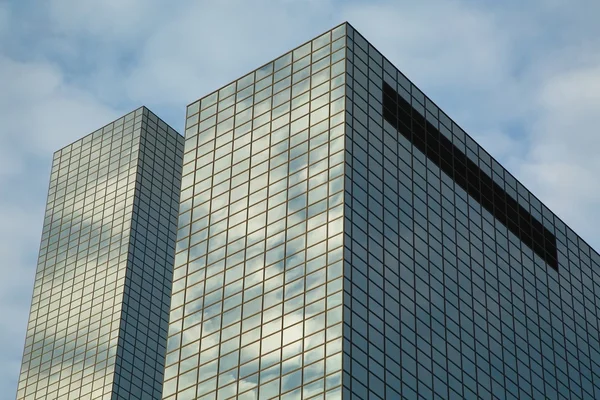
(257, 287)
(99, 314)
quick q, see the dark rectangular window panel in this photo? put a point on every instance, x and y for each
(427, 138)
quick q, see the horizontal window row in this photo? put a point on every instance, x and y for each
(279, 195)
(103, 191)
(70, 304)
(235, 352)
(110, 141)
(305, 206)
(92, 347)
(319, 96)
(313, 220)
(309, 379)
(275, 141)
(273, 389)
(74, 279)
(67, 326)
(294, 257)
(292, 251)
(279, 126)
(299, 157)
(291, 355)
(202, 308)
(282, 104)
(317, 256)
(82, 379)
(84, 246)
(262, 97)
(294, 264)
(280, 67)
(281, 107)
(257, 165)
(84, 167)
(259, 176)
(96, 191)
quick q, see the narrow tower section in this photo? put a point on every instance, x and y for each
(97, 327)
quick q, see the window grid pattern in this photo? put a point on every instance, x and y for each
(257, 286)
(440, 299)
(73, 330)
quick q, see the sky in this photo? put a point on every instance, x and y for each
(523, 78)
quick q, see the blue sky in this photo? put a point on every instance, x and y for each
(523, 78)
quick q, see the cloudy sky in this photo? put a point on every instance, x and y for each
(523, 78)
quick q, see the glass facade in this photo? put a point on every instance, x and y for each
(99, 314)
(458, 282)
(256, 311)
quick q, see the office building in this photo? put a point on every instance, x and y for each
(99, 314)
(338, 236)
(341, 237)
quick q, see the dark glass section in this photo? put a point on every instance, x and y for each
(428, 139)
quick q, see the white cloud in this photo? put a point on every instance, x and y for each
(197, 51)
(562, 164)
(41, 112)
(109, 20)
